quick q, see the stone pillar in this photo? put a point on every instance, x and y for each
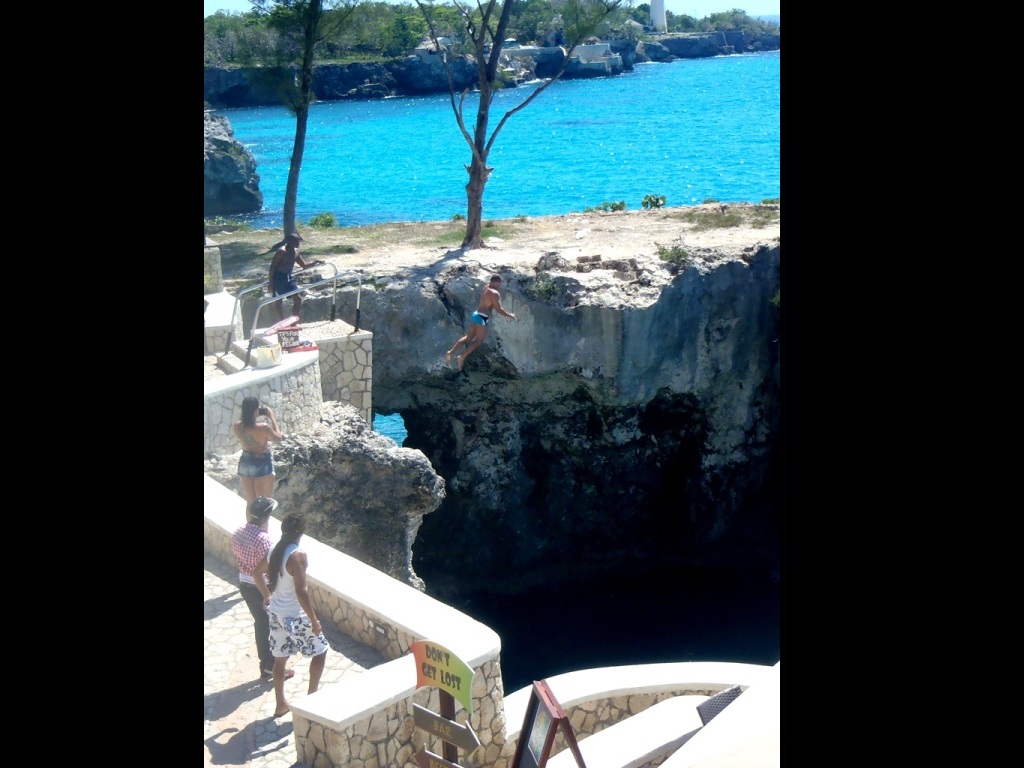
(213, 274)
(346, 371)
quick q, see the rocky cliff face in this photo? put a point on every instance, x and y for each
(630, 416)
(230, 182)
(359, 492)
(259, 86)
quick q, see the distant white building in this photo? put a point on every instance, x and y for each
(429, 53)
(658, 21)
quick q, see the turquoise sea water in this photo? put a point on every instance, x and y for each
(392, 426)
(690, 130)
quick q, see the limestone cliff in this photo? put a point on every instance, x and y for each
(630, 416)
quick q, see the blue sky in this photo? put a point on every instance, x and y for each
(696, 8)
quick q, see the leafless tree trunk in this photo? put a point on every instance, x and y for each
(580, 17)
(304, 98)
(306, 22)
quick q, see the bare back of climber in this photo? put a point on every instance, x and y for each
(490, 302)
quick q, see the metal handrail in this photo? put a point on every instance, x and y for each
(261, 286)
(272, 299)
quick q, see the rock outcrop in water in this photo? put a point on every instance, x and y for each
(230, 182)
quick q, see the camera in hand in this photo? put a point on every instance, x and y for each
(262, 410)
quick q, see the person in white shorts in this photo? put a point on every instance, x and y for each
(294, 627)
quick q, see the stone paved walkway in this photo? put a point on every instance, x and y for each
(238, 706)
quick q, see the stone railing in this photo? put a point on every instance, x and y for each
(596, 699)
(292, 389)
(368, 719)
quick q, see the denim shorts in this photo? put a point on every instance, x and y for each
(255, 464)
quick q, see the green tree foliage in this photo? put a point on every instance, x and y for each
(389, 30)
(234, 38)
(738, 21)
(641, 14)
(530, 24)
(681, 22)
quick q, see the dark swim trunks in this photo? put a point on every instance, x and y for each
(284, 282)
(477, 319)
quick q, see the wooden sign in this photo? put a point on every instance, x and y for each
(460, 735)
(439, 667)
(544, 717)
(427, 759)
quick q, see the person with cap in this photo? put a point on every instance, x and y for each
(294, 626)
(281, 279)
(250, 545)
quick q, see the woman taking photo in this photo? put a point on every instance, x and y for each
(256, 465)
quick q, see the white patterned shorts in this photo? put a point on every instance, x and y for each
(289, 636)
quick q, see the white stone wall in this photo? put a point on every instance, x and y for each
(292, 389)
(335, 729)
(346, 371)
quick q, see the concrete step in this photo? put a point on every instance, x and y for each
(231, 363)
(234, 360)
(646, 738)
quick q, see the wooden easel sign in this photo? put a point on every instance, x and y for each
(544, 716)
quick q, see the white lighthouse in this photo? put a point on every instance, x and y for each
(658, 22)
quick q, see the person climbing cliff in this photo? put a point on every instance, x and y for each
(490, 301)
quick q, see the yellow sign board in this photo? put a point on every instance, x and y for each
(439, 667)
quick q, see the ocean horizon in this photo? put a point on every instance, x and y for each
(690, 130)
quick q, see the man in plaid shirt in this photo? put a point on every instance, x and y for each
(251, 546)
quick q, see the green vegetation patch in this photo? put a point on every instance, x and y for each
(677, 257)
(325, 220)
(542, 287)
(762, 216)
(606, 206)
(452, 233)
(703, 220)
(757, 216)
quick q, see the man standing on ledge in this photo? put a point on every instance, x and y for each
(281, 280)
(478, 322)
